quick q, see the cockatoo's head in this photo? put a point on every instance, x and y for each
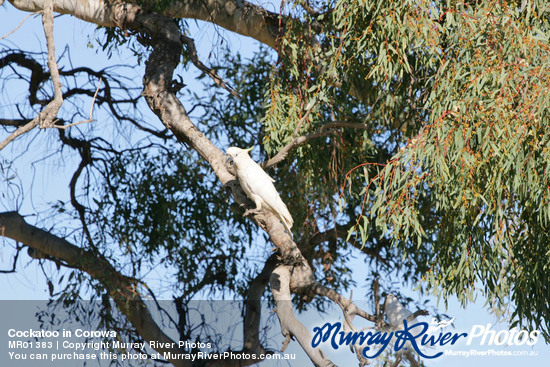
(236, 156)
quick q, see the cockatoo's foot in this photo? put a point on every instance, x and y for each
(250, 211)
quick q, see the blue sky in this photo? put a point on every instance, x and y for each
(48, 183)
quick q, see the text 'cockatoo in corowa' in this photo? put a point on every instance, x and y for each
(257, 184)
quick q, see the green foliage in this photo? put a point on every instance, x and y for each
(356, 75)
(479, 166)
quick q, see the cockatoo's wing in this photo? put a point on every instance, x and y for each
(258, 185)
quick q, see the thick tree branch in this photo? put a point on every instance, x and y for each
(234, 15)
(290, 326)
(122, 289)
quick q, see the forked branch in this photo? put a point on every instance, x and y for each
(48, 114)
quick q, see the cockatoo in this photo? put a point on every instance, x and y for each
(257, 184)
(396, 312)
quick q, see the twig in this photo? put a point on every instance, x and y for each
(90, 118)
(19, 25)
(192, 50)
(14, 265)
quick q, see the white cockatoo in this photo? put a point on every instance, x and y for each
(257, 184)
(396, 312)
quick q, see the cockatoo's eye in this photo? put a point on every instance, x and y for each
(229, 161)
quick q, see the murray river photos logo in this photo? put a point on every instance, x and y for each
(418, 336)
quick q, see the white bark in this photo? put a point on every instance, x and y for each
(290, 326)
(238, 16)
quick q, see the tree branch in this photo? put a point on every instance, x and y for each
(46, 117)
(290, 326)
(348, 307)
(234, 15)
(20, 131)
(192, 51)
(325, 130)
(47, 21)
(121, 288)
